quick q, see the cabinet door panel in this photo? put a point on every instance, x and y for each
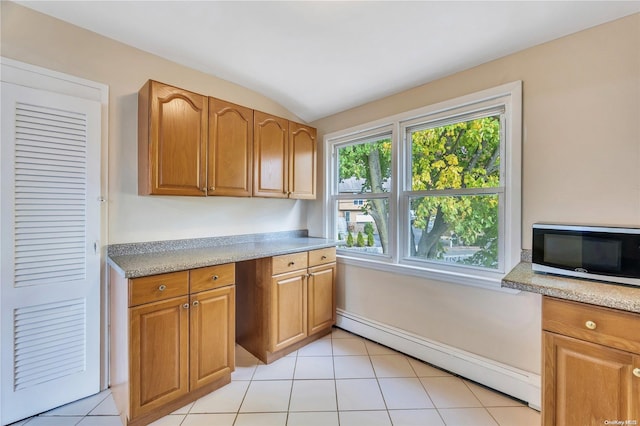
(159, 354)
(302, 162)
(288, 309)
(172, 149)
(321, 298)
(270, 155)
(586, 383)
(230, 156)
(212, 335)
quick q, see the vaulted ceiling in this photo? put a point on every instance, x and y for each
(317, 58)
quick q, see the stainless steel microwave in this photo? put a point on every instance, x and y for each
(605, 253)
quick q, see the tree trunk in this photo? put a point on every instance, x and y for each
(429, 240)
(378, 207)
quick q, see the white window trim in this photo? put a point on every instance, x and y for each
(509, 95)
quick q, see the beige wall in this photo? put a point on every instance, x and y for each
(40, 40)
(581, 163)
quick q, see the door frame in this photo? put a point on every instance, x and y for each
(35, 77)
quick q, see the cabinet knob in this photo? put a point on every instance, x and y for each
(323, 258)
(212, 188)
(215, 277)
(196, 303)
(162, 287)
(636, 372)
(186, 306)
(590, 325)
(292, 263)
(203, 189)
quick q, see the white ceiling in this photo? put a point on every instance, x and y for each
(322, 57)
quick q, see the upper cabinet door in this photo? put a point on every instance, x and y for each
(302, 161)
(230, 156)
(172, 141)
(270, 155)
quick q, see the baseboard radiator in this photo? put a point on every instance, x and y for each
(517, 383)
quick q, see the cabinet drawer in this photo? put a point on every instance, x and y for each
(610, 327)
(158, 287)
(322, 256)
(289, 262)
(212, 277)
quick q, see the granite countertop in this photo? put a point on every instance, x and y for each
(142, 259)
(610, 295)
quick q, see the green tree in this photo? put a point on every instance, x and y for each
(360, 240)
(460, 155)
(371, 162)
(349, 239)
(454, 156)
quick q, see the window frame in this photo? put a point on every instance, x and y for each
(397, 260)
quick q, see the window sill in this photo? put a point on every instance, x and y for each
(468, 279)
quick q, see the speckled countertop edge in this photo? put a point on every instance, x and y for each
(615, 296)
(143, 259)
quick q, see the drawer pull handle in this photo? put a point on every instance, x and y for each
(186, 306)
(196, 303)
(323, 258)
(636, 372)
(162, 287)
(215, 277)
(590, 325)
(291, 263)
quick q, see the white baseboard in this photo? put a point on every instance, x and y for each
(512, 381)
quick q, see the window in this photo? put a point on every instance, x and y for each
(434, 192)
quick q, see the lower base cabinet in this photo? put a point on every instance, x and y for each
(285, 302)
(591, 372)
(172, 339)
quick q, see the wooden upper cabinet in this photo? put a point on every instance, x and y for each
(230, 149)
(302, 161)
(270, 149)
(172, 140)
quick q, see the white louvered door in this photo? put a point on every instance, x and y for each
(50, 265)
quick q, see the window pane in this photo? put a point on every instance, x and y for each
(365, 167)
(460, 155)
(363, 224)
(457, 229)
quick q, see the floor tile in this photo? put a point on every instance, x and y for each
(106, 408)
(429, 417)
(376, 349)
(313, 395)
(359, 394)
(468, 416)
(220, 419)
(325, 418)
(343, 347)
(392, 366)
(521, 416)
(490, 398)
(338, 333)
(170, 420)
(314, 367)
(422, 369)
(82, 407)
(267, 396)
(54, 421)
(321, 347)
(404, 393)
(101, 421)
(185, 409)
(261, 419)
(449, 392)
(368, 418)
(224, 400)
(353, 367)
(281, 369)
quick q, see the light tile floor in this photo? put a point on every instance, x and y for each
(340, 380)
